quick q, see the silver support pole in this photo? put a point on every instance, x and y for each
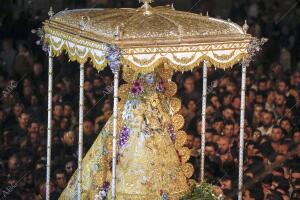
(204, 93)
(80, 138)
(49, 126)
(242, 127)
(115, 123)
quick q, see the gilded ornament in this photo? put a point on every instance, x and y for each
(165, 71)
(123, 91)
(175, 104)
(184, 154)
(98, 178)
(171, 89)
(180, 139)
(178, 121)
(129, 75)
(188, 169)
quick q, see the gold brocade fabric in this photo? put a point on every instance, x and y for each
(151, 158)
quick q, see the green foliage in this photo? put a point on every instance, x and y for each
(202, 191)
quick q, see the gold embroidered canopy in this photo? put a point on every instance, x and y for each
(148, 36)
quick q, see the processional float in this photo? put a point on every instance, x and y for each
(139, 41)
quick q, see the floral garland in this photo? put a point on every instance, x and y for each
(113, 57)
(202, 191)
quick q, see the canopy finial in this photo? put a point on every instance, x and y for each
(245, 27)
(51, 13)
(146, 6)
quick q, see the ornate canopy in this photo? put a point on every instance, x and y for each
(147, 37)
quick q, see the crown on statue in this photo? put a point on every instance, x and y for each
(146, 1)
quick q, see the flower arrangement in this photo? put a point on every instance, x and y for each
(124, 135)
(102, 195)
(160, 87)
(137, 87)
(113, 56)
(172, 133)
(203, 191)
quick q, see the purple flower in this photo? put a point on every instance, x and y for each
(124, 136)
(137, 87)
(104, 189)
(160, 87)
(172, 133)
(113, 56)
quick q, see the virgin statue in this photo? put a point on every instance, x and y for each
(152, 160)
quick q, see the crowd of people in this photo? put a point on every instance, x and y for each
(272, 125)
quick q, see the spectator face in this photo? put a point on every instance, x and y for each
(227, 99)
(267, 119)
(64, 124)
(18, 109)
(256, 135)
(88, 128)
(69, 168)
(228, 130)
(88, 87)
(282, 87)
(189, 85)
(107, 80)
(276, 135)
(61, 180)
(215, 102)
(271, 97)
(197, 143)
(247, 196)
(257, 110)
(23, 120)
(226, 184)
(33, 128)
(223, 145)
(210, 151)
(192, 107)
(259, 99)
(97, 83)
(296, 137)
(218, 126)
(13, 163)
(58, 111)
(236, 103)
(285, 124)
(208, 137)
(67, 110)
(262, 86)
(190, 141)
(34, 139)
(279, 100)
(228, 114)
(37, 69)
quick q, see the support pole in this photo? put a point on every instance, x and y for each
(115, 123)
(80, 138)
(49, 126)
(203, 120)
(242, 128)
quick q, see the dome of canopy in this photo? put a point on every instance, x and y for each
(133, 26)
(147, 37)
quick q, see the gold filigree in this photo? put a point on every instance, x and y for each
(165, 71)
(180, 139)
(184, 154)
(224, 57)
(178, 121)
(188, 169)
(123, 91)
(175, 104)
(171, 89)
(129, 75)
